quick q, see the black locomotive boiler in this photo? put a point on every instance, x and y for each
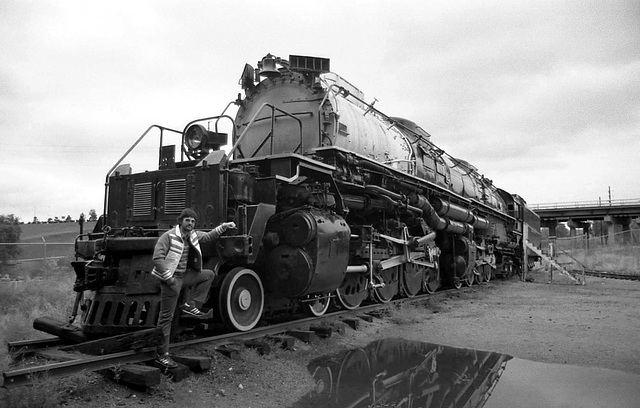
(334, 202)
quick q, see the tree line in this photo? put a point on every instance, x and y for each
(93, 216)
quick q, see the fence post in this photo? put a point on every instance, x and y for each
(525, 251)
(45, 250)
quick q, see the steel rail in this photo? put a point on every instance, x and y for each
(25, 376)
(608, 275)
(26, 346)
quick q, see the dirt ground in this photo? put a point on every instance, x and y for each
(596, 325)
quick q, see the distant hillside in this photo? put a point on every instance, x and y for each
(61, 232)
(59, 238)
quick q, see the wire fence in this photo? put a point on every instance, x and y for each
(39, 251)
(618, 252)
(34, 260)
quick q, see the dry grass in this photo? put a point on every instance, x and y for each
(626, 259)
(21, 302)
(45, 392)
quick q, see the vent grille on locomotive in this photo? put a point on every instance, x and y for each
(142, 199)
(174, 199)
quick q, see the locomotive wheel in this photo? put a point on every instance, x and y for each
(355, 371)
(457, 283)
(486, 273)
(324, 382)
(352, 291)
(319, 306)
(412, 277)
(507, 270)
(390, 289)
(477, 275)
(241, 299)
(468, 279)
(431, 282)
(390, 351)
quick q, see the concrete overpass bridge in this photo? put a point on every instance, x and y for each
(580, 214)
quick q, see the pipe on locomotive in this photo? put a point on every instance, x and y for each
(416, 242)
(456, 227)
(452, 211)
(455, 212)
(388, 201)
(480, 223)
(447, 217)
(400, 200)
(428, 213)
(357, 269)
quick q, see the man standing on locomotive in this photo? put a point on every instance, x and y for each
(178, 264)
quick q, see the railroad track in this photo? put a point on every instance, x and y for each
(77, 363)
(610, 275)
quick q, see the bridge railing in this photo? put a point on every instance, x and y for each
(586, 204)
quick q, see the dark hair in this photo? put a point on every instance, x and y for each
(187, 213)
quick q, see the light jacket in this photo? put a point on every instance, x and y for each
(169, 248)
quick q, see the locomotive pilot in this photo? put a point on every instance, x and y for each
(177, 262)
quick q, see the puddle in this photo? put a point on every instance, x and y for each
(405, 373)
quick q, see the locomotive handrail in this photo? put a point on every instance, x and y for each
(236, 145)
(111, 170)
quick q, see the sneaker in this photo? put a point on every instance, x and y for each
(192, 311)
(165, 361)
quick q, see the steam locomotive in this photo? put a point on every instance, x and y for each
(334, 201)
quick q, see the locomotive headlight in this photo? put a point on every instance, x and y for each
(199, 141)
(194, 136)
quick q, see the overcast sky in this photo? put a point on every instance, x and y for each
(543, 97)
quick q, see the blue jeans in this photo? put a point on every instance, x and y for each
(199, 284)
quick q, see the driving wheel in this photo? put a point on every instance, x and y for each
(319, 306)
(241, 299)
(431, 281)
(412, 277)
(389, 277)
(352, 290)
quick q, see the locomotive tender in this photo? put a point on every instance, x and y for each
(334, 201)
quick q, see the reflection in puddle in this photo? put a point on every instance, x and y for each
(397, 372)
(405, 373)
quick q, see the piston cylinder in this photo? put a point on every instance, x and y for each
(314, 257)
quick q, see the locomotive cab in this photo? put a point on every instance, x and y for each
(114, 261)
